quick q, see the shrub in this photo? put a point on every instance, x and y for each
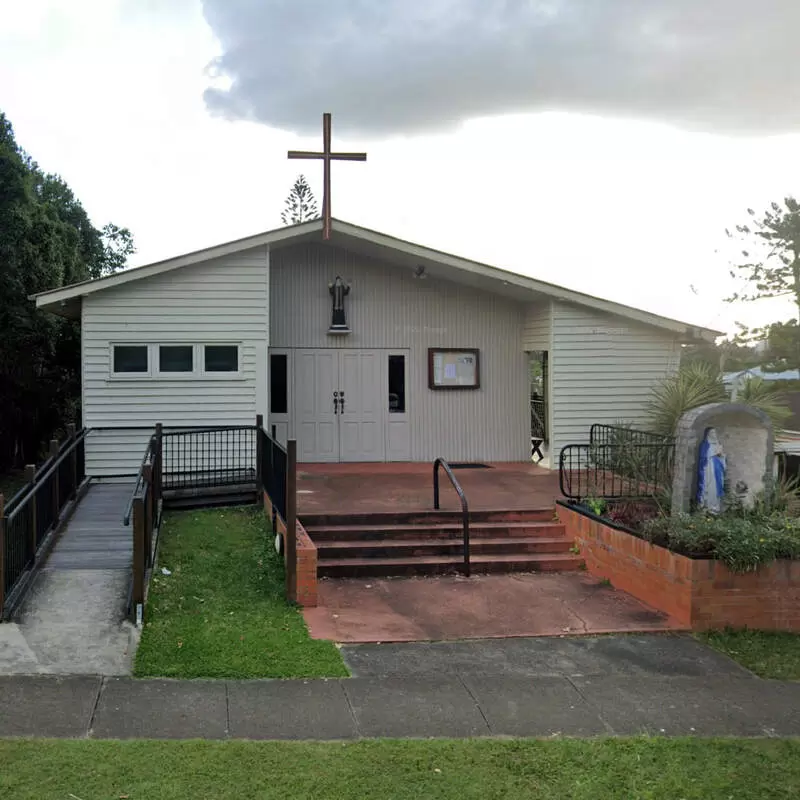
(744, 541)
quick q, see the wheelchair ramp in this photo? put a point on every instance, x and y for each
(72, 620)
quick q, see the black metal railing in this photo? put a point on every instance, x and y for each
(440, 462)
(617, 463)
(202, 458)
(35, 512)
(144, 508)
(622, 435)
(273, 471)
(538, 418)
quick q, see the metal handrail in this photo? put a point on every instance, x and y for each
(47, 467)
(44, 474)
(440, 462)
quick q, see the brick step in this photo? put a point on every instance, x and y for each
(442, 531)
(386, 518)
(377, 548)
(433, 565)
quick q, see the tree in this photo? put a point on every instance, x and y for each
(771, 263)
(300, 205)
(46, 241)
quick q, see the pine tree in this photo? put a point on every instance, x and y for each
(300, 205)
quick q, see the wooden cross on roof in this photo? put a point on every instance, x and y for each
(327, 156)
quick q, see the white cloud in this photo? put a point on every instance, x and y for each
(419, 65)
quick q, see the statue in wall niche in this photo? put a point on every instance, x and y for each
(711, 470)
(339, 290)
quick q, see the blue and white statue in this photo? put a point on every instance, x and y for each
(711, 468)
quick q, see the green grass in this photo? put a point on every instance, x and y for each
(222, 612)
(770, 655)
(602, 769)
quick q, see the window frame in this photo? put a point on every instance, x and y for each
(159, 373)
(146, 375)
(218, 374)
(154, 372)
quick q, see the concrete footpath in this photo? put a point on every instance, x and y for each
(572, 687)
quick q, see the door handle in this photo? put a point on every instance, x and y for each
(341, 402)
(336, 402)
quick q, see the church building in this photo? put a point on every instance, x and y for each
(360, 346)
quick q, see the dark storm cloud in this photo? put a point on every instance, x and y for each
(393, 66)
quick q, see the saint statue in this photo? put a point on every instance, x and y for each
(339, 290)
(711, 469)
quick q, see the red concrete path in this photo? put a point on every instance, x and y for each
(356, 488)
(481, 607)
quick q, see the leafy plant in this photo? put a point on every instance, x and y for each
(596, 505)
(744, 541)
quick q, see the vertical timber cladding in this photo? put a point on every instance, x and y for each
(389, 308)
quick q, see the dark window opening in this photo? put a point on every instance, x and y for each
(130, 358)
(397, 384)
(278, 384)
(175, 358)
(222, 358)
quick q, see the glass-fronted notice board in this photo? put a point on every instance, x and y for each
(453, 368)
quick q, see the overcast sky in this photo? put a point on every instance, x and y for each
(604, 145)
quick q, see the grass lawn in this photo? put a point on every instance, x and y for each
(770, 655)
(222, 612)
(393, 770)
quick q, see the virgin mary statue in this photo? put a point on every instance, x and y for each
(711, 468)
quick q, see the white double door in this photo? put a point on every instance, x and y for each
(340, 405)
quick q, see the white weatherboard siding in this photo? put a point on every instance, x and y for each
(221, 301)
(602, 369)
(389, 309)
(536, 333)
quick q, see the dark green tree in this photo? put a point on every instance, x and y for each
(46, 241)
(770, 262)
(300, 205)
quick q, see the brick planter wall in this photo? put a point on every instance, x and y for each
(701, 594)
(306, 560)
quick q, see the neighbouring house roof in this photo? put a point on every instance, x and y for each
(729, 378)
(66, 300)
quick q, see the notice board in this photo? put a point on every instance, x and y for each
(453, 368)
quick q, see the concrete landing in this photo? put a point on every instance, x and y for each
(72, 620)
(480, 607)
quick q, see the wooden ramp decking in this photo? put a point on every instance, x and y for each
(95, 537)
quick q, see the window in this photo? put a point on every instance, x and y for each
(221, 358)
(175, 358)
(278, 384)
(130, 358)
(397, 384)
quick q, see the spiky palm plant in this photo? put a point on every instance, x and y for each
(696, 384)
(767, 397)
(693, 385)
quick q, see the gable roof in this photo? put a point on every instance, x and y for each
(65, 300)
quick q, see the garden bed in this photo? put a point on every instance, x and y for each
(699, 593)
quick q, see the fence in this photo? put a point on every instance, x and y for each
(277, 476)
(273, 464)
(34, 513)
(202, 458)
(145, 508)
(617, 463)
